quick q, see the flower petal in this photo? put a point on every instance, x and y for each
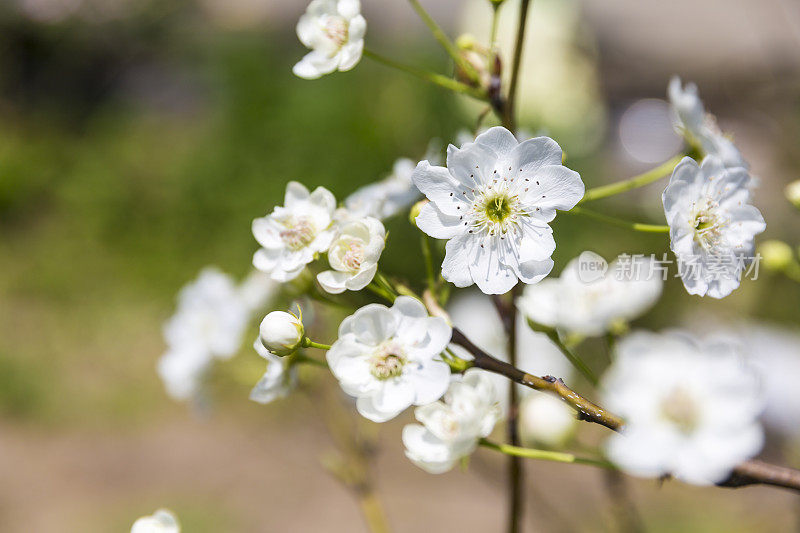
(438, 225)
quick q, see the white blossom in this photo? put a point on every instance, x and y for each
(162, 521)
(493, 203)
(545, 420)
(182, 370)
(279, 379)
(388, 358)
(354, 255)
(700, 128)
(334, 31)
(474, 314)
(690, 407)
(208, 324)
(211, 316)
(257, 289)
(589, 306)
(294, 233)
(281, 333)
(387, 197)
(452, 427)
(712, 225)
(775, 352)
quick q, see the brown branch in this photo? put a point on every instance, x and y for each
(516, 469)
(587, 410)
(752, 472)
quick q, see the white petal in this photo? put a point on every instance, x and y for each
(534, 271)
(349, 8)
(333, 281)
(440, 187)
(528, 157)
(499, 140)
(296, 192)
(489, 274)
(471, 164)
(429, 379)
(437, 224)
(371, 324)
(367, 409)
(559, 188)
(315, 65)
(323, 198)
(458, 254)
(350, 55)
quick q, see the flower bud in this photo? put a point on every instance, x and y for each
(415, 211)
(281, 333)
(775, 255)
(478, 57)
(793, 193)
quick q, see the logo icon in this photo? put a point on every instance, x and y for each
(591, 267)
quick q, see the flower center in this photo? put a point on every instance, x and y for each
(387, 362)
(496, 211)
(680, 409)
(297, 233)
(708, 224)
(353, 255)
(336, 30)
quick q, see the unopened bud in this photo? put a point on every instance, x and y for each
(281, 333)
(793, 193)
(416, 209)
(478, 57)
(775, 255)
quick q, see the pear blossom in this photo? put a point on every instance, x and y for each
(182, 370)
(257, 289)
(211, 315)
(712, 225)
(690, 407)
(545, 420)
(388, 358)
(334, 31)
(774, 352)
(387, 197)
(452, 427)
(281, 333)
(354, 256)
(294, 233)
(162, 521)
(279, 379)
(474, 314)
(593, 306)
(208, 324)
(493, 203)
(700, 128)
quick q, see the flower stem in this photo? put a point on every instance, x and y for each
(437, 79)
(308, 343)
(635, 182)
(636, 226)
(544, 455)
(573, 358)
(446, 43)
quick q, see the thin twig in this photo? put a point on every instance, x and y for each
(641, 180)
(752, 472)
(509, 120)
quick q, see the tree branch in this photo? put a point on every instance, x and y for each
(752, 472)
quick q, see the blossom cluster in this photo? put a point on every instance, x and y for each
(690, 406)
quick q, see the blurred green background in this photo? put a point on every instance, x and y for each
(137, 142)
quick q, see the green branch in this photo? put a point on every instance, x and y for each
(544, 455)
(437, 79)
(636, 226)
(445, 41)
(635, 182)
